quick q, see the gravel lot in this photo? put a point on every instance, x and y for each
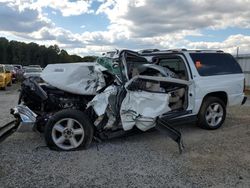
(219, 158)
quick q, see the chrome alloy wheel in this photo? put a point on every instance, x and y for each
(214, 114)
(67, 133)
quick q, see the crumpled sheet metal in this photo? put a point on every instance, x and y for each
(101, 101)
(140, 108)
(77, 78)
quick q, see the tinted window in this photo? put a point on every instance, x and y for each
(209, 64)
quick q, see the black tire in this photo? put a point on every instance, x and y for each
(76, 115)
(204, 113)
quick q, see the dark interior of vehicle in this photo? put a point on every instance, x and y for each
(174, 67)
(178, 98)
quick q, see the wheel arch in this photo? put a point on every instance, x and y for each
(207, 100)
(222, 95)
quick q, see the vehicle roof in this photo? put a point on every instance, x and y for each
(28, 67)
(37, 66)
(154, 52)
(8, 65)
(170, 51)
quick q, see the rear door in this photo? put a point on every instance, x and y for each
(148, 98)
(178, 63)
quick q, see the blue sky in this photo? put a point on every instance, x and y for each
(80, 23)
(87, 27)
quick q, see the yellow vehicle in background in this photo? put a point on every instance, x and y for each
(5, 77)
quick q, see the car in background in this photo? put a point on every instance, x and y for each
(35, 66)
(11, 69)
(19, 71)
(30, 71)
(5, 77)
(18, 66)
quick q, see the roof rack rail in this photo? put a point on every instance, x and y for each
(148, 51)
(207, 50)
(176, 50)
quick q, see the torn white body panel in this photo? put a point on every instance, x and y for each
(100, 101)
(138, 108)
(77, 78)
(141, 108)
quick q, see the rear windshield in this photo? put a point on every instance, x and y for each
(209, 64)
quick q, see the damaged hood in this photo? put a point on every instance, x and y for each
(77, 78)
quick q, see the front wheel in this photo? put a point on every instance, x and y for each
(212, 113)
(68, 130)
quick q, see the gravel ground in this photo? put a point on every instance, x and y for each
(219, 158)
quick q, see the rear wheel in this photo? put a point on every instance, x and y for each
(68, 130)
(212, 113)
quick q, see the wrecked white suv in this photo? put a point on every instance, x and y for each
(152, 89)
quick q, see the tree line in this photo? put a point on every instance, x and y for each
(14, 52)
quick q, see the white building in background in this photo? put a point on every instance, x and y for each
(244, 61)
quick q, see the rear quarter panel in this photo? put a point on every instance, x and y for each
(231, 84)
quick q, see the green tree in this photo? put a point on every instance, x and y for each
(14, 52)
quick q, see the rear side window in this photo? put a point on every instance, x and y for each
(209, 64)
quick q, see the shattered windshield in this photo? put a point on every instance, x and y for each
(109, 64)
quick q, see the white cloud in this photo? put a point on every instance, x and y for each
(66, 7)
(162, 17)
(20, 18)
(229, 45)
(134, 24)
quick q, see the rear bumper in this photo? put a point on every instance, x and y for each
(244, 101)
